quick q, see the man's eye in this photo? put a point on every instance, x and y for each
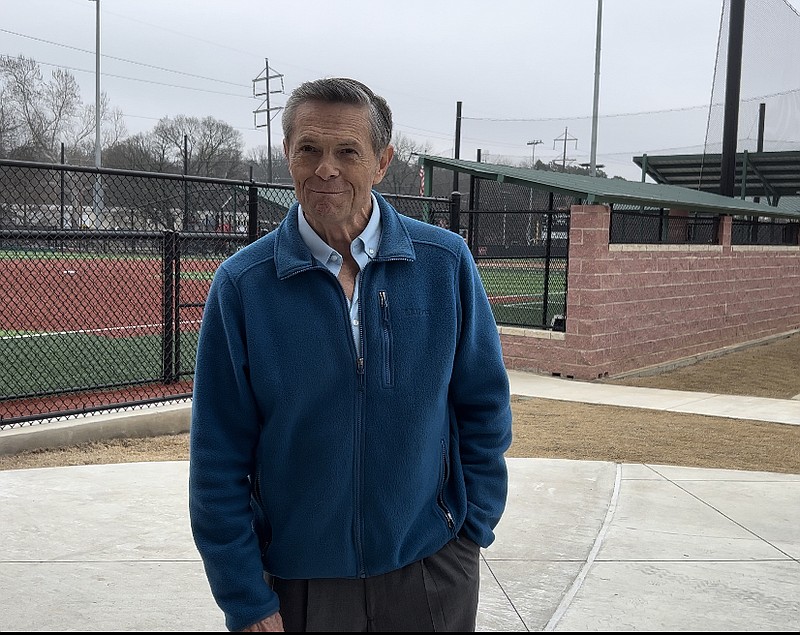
(349, 151)
(306, 148)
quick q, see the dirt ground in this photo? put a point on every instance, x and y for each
(547, 428)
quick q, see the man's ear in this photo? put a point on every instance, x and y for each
(383, 164)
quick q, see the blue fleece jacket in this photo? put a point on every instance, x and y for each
(308, 461)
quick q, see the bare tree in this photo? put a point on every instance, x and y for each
(46, 112)
(213, 147)
(402, 177)
(257, 157)
(9, 124)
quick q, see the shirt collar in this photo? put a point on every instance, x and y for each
(363, 248)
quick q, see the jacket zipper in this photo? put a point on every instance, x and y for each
(440, 498)
(359, 434)
(383, 298)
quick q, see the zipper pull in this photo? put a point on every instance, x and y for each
(360, 366)
(384, 300)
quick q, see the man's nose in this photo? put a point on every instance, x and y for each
(327, 168)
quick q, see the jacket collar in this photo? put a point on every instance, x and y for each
(292, 255)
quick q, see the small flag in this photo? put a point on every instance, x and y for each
(422, 181)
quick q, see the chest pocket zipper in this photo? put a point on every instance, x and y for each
(386, 330)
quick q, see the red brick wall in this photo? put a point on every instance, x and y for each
(634, 306)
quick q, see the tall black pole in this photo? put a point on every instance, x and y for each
(762, 107)
(732, 89)
(457, 152)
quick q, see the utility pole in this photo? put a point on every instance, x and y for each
(265, 107)
(565, 139)
(533, 145)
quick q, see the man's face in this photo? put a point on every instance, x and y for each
(332, 162)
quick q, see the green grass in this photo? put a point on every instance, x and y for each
(80, 361)
(197, 275)
(527, 282)
(60, 363)
(55, 254)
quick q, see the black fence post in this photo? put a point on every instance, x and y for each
(61, 179)
(547, 261)
(252, 213)
(167, 302)
(176, 312)
(455, 212)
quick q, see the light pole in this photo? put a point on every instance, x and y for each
(593, 159)
(97, 160)
(98, 186)
(533, 143)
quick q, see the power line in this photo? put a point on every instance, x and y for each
(121, 59)
(134, 79)
(626, 114)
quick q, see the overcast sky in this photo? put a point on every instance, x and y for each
(531, 60)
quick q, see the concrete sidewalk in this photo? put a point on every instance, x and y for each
(702, 403)
(583, 546)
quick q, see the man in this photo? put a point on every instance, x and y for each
(351, 408)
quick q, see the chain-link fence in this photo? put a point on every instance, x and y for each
(104, 275)
(759, 232)
(520, 237)
(655, 225)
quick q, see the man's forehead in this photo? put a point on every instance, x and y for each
(344, 121)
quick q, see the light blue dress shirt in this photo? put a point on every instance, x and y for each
(363, 249)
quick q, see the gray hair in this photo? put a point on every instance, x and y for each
(341, 90)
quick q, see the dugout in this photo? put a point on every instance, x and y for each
(656, 274)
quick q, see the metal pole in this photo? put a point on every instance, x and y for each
(732, 90)
(456, 153)
(252, 213)
(97, 157)
(98, 185)
(533, 143)
(61, 179)
(762, 107)
(593, 159)
(269, 127)
(455, 209)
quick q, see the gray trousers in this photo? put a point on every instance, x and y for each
(438, 593)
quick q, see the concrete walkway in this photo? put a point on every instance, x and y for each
(701, 403)
(583, 546)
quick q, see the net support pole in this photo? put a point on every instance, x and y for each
(732, 89)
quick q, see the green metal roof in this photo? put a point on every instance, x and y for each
(769, 174)
(604, 190)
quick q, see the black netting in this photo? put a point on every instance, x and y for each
(769, 76)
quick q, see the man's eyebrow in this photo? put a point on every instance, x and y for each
(349, 141)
